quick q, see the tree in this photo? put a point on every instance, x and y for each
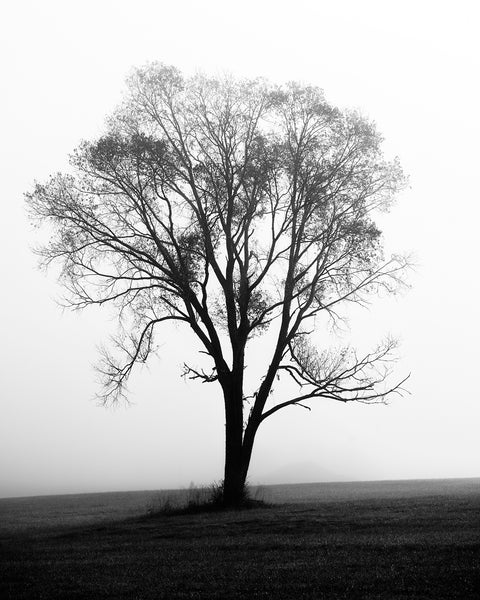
(238, 208)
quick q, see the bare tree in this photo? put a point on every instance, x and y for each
(235, 207)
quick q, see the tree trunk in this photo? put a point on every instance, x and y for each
(238, 453)
(234, 481)
(236, 466)
(234, 477)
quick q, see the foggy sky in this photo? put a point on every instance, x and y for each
(412, 67)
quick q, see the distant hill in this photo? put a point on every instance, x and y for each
(297, 472)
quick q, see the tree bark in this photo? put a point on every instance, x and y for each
(235, 474)
(237, 461)
(235, 465)
(234, 480)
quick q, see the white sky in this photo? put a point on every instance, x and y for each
(411, 66)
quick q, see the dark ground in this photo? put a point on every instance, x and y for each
(414, 546)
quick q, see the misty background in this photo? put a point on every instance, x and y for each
(410, 66)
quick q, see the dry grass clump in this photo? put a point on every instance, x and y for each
(197, 499)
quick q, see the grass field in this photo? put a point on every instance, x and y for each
(413, 539)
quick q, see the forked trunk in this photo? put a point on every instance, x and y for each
(237, 458)
(237, 461)
(238, 449)
(235, 474)
(234, 493)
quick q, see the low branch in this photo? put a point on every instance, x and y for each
(192, 373)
